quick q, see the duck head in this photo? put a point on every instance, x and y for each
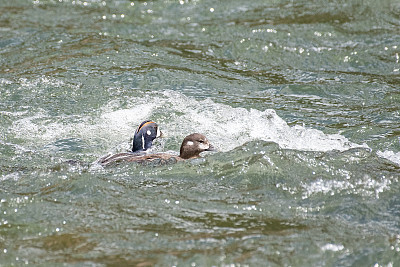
(144, 136)
(193, 145)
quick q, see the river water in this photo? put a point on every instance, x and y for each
(301, 99)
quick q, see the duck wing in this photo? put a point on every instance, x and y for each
(156, 159)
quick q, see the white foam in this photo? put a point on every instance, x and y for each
(111, 127)
(227, 127)
(11, 176)
(390, 155)
(40, 81)
(332, 247)
(177, 115)
(365, 186)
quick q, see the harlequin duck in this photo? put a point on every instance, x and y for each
(191, 148)
(144, 136)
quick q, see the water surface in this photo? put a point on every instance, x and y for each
(301, 98)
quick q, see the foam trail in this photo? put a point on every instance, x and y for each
(112, 126)
(226, 127)
(229, 127)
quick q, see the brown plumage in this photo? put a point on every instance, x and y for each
(191, 148)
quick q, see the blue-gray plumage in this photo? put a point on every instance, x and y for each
(144, 136)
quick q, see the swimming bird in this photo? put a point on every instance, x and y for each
(144, 136)
(191, 147)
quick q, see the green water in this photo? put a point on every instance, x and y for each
(301, 99)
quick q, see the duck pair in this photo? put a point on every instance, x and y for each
(147, 131)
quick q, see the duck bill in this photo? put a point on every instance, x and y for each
(159, 133)
(211, 148)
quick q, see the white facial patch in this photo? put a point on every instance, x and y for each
(148, 132)
(204, 146)
(189, 143)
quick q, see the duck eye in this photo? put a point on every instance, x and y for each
(201, 141)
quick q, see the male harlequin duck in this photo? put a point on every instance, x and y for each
(191, 148)
(142, 140)
(144, 136)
